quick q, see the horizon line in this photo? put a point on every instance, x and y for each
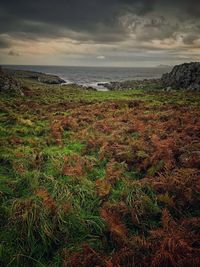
(87, 66)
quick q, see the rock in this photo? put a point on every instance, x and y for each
(168, 88)
(90, 88)
(50, 79)
(184, 76)
(9, 84)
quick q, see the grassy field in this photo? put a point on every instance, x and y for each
(107, 179)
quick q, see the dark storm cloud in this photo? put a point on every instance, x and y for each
(77, 15)
(101, 28)
(96, 20)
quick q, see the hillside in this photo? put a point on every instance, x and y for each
(107, 179)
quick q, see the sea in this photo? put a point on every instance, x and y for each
(92, 76)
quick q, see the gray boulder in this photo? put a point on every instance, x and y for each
(184, 76)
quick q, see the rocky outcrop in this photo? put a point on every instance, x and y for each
(50, 79)
(9, 84)
(184, 76)
(41, 77)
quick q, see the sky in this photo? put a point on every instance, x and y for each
(121, 33)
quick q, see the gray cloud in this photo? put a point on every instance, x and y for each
(117, 25)
(97, 20)
(90, 16)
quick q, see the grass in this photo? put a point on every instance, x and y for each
(106, 179)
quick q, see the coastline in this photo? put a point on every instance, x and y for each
(49, 78)
(98, 77)
(180, 77)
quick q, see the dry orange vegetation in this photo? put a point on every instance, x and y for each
(161, 145)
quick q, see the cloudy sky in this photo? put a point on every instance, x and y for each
(99, 32)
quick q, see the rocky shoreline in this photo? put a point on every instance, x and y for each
(10, 80)
(133, 84)
(182, 77)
